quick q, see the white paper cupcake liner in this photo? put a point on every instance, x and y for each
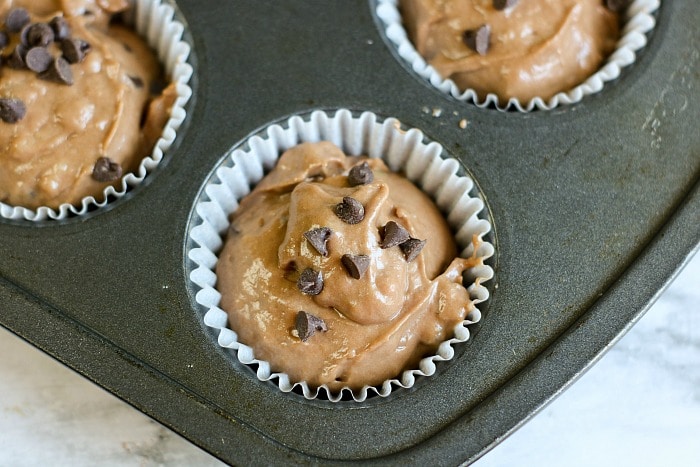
(638, 21)
(155, 21)
(404, 151)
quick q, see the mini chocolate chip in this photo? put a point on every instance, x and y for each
(74, 50)
(356, 265)
(60, 27)
(4, 39)
(411, 248)
(318, 238)
(16, 19)
(138, 82)
(360, 175)
(106, 170)
(478, 39)
(40, 35)
(307, 325)
(38, 59)
(16, 58)
(503, 4)
(393, 234)
(310, 282)
(12, 110)
(350, 210)
(157, 87)
(617, 6)
(23, 35)
(59, 71)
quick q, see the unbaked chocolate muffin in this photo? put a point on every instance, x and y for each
(81, 99)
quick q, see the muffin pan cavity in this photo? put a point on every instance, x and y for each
(405, 151)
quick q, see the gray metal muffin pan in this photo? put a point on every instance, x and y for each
(594, 206)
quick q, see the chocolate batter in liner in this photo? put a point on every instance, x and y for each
(58, 180)
(403, 152)
(461, 61)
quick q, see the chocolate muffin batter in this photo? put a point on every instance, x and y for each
(339, 272)
(520, 49)
(84, 84)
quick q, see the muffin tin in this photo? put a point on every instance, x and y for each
(594, 207)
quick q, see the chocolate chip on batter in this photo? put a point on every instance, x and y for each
(478, 39)
(12, 110)
(38, 59)
(307, 325)
(361, 174)
(16, 19)
(356, 265)
(39, 35)
(350, 211)
(4, 39)
(393, 234)
(24, 34)
(138, 82)
(74, 50)
(617, 6)
(318, 238)
(60, 27)
(106, 170)
(59, 71)
(157, 86)
(411, 248)
(503, 4)
(310, 282)
(16, 58)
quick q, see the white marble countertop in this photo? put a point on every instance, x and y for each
(638, 406)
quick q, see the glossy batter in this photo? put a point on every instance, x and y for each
(537, 47)
(47, 157)
(398, 312)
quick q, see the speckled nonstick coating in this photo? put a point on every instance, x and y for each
(594, 206)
